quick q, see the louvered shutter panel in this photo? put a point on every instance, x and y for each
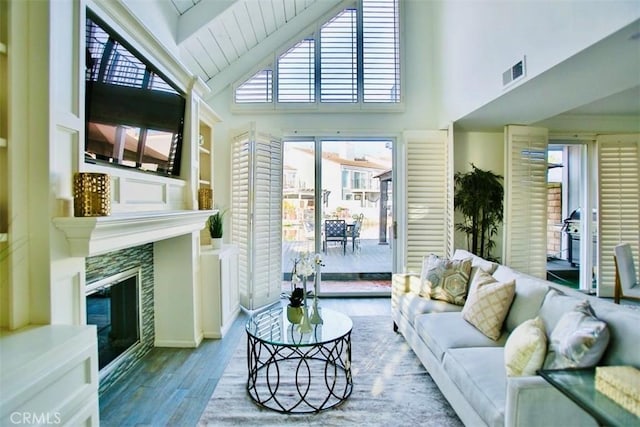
(240, 209)
(427, 196)
(258, 88)
(257, 196)
(381, 51)
(619, 203)
(338, 58)
(525, 219)
(296, 73)
(449, 216)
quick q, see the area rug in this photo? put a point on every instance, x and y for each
(391, 387)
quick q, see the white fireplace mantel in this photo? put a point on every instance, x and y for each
(89, 236)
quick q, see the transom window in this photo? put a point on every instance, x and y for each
(354, 57)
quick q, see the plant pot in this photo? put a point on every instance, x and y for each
(216, 243)
(294, 314)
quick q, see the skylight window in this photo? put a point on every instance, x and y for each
(354, 57)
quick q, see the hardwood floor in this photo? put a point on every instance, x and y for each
(171, 386)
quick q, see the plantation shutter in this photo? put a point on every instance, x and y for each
(339, 59)
(381, 51)
(296, 73)
(428, 196)
(525, 219)
(257, 217)
(618, 203)
(449, 216)
(258, 88)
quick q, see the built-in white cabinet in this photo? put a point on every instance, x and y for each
(49, 376)
(220, 302)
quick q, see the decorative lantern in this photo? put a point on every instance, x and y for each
(205, 199)
(91, 194)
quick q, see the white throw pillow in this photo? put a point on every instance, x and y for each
(526, 348)
(488, 304)
(578, 340)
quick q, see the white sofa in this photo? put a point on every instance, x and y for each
(469, 367)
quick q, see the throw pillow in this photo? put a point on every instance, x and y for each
(578, 340)
(445, 279)
(526, 348)
(488, 304)
(479, 277)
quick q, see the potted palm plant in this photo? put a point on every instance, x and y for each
(215, 225)
(478, 196)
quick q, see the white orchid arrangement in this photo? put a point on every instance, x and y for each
(305, 266)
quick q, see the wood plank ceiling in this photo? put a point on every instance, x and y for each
(222, 40)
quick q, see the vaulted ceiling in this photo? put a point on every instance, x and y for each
(221, 40)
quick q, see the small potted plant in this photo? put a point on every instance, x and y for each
(215, 225)
(294, 308)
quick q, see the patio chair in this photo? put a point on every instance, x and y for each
(335, 230)
(355, 232)
(626, 284)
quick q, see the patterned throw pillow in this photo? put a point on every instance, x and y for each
(578, 340)
(488, 304)
(445, 279)
(526, 348)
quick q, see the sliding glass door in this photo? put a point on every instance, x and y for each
(338, 201)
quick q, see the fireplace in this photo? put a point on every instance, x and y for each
(131, 270)
(165, 246)
(113, 305)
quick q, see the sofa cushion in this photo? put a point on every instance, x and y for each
(554, 305)
(526, 348)
(412, 305)
(530, 293)
(504, 274)
(488, 304)
(476, 261)
(442, 331)
(578, 340)
(480, 376)
(624, 345)
(445, 279)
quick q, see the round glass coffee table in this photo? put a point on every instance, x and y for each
(298, 372)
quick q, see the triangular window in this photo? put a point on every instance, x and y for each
(258, 88)
(339, 58)
(354, 57)
(296, 73)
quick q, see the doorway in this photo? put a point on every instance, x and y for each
(338, 201)
(571, 258)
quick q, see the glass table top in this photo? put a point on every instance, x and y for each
(580, 386)
(273, 327)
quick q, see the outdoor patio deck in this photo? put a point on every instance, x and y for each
(370, 261)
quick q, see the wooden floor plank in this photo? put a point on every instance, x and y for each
(172, 386)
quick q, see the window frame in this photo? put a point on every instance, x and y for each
(271, 62)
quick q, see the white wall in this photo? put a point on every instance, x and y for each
(478, 40)
(160, 20)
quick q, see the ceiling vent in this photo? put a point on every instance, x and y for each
(514, 73)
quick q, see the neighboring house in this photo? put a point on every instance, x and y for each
(582, 82)
(347, 183)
